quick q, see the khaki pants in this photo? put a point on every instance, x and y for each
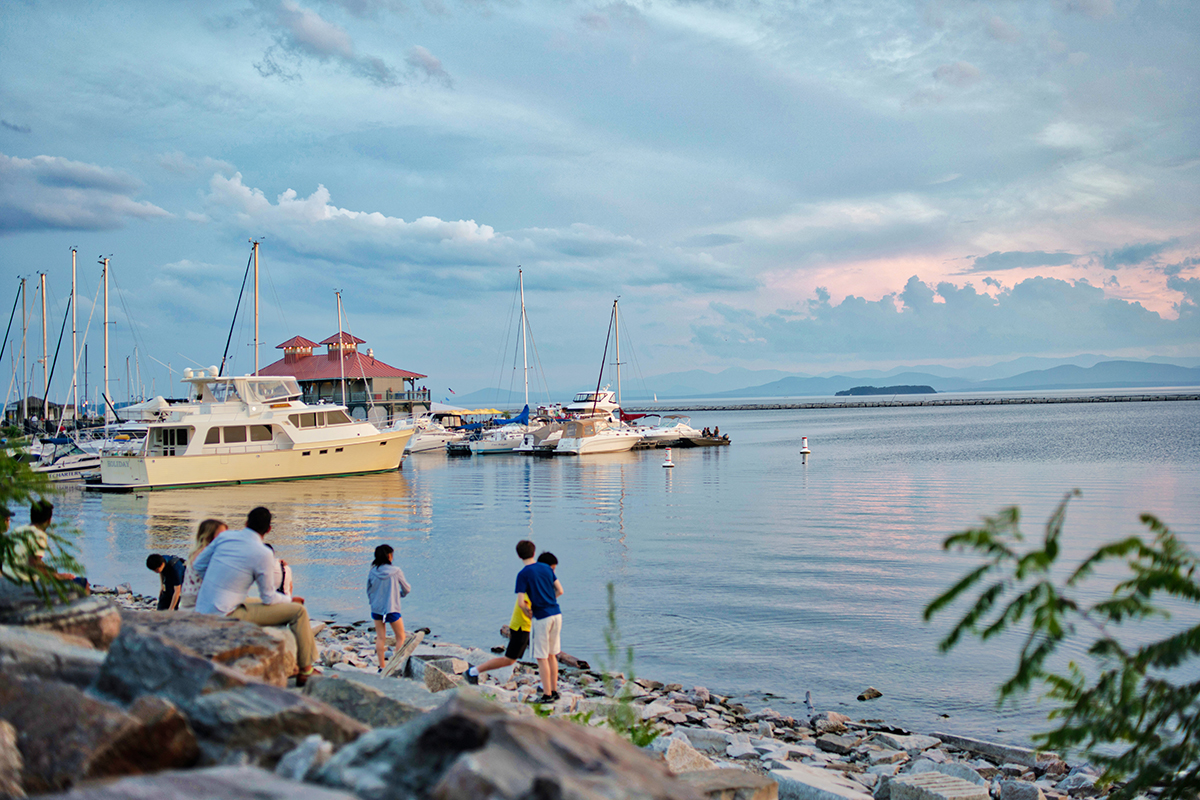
(294, 615)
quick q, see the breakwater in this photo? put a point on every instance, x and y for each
(913, 403)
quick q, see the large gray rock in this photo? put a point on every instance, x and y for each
(142, 663)
(934, 786)
(801, 782)
(227, 783)
(263, 722)
(996, 752)
(1020, 790)
(12, 765)
(242, 646)
(911, 743)
(66, 736)
(379, 703)
(94, 618)
(731, 784)
(28, 651)
(707, 740)
(954, 769)
(469, 748)
(681, 757)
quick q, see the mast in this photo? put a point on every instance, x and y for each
(255, 243)
(617, 338)
(24, 334)
(340, 346)
(524, 335)
(104, 394)
(74, 347)
(45, 360)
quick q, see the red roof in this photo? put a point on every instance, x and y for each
(323, 368)
(347, 338)
(296, 341)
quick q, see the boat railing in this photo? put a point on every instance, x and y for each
(228, 450)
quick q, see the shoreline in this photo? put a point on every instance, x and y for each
(698, 729)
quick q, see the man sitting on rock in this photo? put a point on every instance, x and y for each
(171, 570)
(230, 565)
(30, 545)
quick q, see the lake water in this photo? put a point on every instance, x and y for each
(740, 569)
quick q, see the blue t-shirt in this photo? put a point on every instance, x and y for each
(537, 580)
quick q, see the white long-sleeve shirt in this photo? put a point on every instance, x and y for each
(230, 566)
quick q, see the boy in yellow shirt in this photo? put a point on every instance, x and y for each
(519, 626)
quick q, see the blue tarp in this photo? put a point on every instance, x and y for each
(519, 419)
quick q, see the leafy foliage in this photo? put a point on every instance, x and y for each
(20, 485)
(619, 713)
(1133, 712)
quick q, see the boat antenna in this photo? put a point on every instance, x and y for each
(604, 358)
(341, 341)
(242, 291)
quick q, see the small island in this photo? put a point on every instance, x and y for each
(860, 390)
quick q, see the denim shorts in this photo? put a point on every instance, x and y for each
(391, 617)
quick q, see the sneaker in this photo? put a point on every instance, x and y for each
(472, 679)
(556, 696)
(543, 699)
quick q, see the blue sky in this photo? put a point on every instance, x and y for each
(795, 185)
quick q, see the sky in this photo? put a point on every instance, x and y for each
(807, 186)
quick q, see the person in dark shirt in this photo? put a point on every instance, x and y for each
(539, 582)
(171, 570)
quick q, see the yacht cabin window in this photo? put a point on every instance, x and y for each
(169, 441)
(260, 433)
(237, 434)
(213, 436)
(337, 417)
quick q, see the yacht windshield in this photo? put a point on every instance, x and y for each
(267, 391)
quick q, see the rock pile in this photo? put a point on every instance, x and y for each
(209, 697)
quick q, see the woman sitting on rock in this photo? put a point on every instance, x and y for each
(208, 530)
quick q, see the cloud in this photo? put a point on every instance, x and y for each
(14, 127)
(427, 64)
(959, 74)
(53, 193)
(1016, 259)
(457, 256)
(301, 33)
(1132, 254)
(999, 29)
(1091, 8)
(181, 164)
(1037, 315)
(711, 240)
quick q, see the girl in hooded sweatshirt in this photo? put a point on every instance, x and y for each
(385, 587)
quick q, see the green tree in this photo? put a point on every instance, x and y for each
(20, 486)
(1133, 711)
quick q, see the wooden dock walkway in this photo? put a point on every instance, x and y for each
(914, 401)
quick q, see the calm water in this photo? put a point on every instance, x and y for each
(740, 569)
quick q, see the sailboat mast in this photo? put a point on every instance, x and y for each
(617, 335)
(74, 348)
(524, 335)
(45, 359)
(104, 394)
(255, 305)
(24, 334)
(341, 346)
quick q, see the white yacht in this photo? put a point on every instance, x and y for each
(601, 402)
(673, 429)
(596, 435)
(249, 429)
(63, 460)
(431, 436)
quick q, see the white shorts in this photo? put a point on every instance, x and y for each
(546, 633)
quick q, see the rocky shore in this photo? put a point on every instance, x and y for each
(104, 698)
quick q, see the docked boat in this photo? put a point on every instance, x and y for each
(250, 429)
(596, 435)
(430, 435)
(62, 460)
(673, 430)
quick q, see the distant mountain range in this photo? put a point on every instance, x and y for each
(1080, 372)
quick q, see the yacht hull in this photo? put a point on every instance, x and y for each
(380, 453)
(596, 444)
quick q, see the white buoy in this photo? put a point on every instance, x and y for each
(804, 451)
(668, 462)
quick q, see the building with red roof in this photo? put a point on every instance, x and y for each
(372, 388)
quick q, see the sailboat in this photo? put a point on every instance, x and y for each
(600, 431)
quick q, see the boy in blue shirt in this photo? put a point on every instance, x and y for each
(539, 582)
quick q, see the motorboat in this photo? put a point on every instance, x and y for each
(596, 435)
(63, 460)
(602, 401)
(430, 436)
(542, 441)
(672, 430)
(250, 429)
